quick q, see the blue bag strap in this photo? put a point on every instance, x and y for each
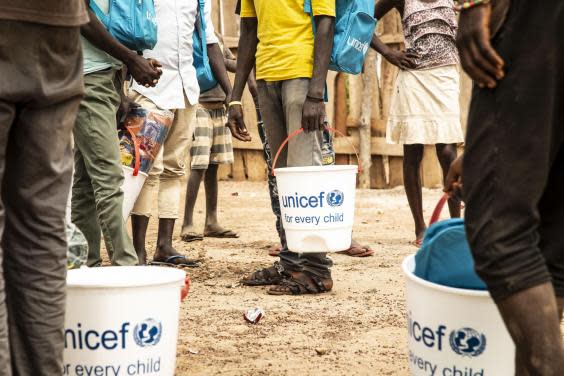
(308, 9)
(105, 18)
(202, 11)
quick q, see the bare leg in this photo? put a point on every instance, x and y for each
(139, 224)
(413, 155)
(531, 316)
(191, 196)
(164, 240)
(210, 182)
(213, 228)
(446, 154)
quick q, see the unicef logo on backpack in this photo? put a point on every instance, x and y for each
(467, 342)
(335, 198)
(147, 333)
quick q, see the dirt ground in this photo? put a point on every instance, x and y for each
(356, 329)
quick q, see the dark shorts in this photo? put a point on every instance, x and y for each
(514, 160)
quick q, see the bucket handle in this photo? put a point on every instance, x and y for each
(301, 130)
(137, 151)
(185, 289)
(439, 208)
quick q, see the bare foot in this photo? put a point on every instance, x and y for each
(189, 234)
(216, 231)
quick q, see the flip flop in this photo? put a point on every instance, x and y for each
(357, 250)
(173, 261)
(221, 234)
(192, 237)
(275, 250)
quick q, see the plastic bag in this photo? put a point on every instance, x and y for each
(77, 251)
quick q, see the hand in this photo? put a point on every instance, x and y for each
(236, 124)
(453, 184)
(124, 107)
(402, 59)
(313, 115)
(145, 71)
(478, 58)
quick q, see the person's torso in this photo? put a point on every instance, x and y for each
(430, 29)
(95, 59)
(49, 12)
(174, 49)
(285, 32)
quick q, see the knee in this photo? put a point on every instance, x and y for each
(446, 154)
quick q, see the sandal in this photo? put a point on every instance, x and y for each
(222, 234)
(176, 261)
(265, 277)
(357, 250)
(303, 283)
(191, 237)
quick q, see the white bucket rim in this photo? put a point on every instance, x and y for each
(405, 265)
(129, 169)
(111, 277)
(330, 168)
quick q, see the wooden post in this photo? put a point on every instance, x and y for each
(366, 119)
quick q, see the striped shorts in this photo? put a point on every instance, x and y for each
(212, 139)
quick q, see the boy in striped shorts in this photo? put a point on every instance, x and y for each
(211, 147)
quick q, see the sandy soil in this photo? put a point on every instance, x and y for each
(357, 329)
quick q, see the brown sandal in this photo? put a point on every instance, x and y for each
(303, 283)
(357, 250)
(264, 277)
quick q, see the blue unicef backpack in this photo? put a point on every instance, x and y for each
(445, 258)
(354, 27)
(132, 22)
(206, 79)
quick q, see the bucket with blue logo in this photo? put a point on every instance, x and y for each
(454, 332)
(317, 205)
(122, 321)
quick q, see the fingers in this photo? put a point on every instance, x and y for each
(490, 55)
(155, 63)
(306, 119)
(475, 72)
(409, 63)
(321, 122)
(313, 116)
(235, 132)
(486, 70)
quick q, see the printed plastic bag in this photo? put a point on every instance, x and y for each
(77, 251)
(145, 132)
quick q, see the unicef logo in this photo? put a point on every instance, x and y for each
(148, 333)
(335, 198)
(467, 342)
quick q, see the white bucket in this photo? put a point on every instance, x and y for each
(131, 188)
(317, 205)
(122, 321)
(454, 332)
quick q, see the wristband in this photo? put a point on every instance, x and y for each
(234, 103)
(467, 4)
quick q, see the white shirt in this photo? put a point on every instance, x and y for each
(175, 25)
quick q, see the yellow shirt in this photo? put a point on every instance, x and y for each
(285, 33)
